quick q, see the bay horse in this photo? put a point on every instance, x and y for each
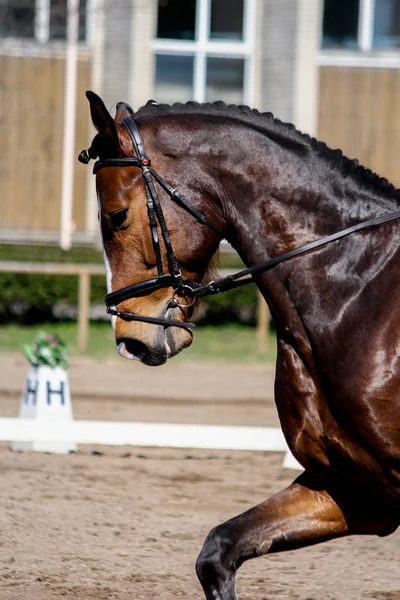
(272, 192)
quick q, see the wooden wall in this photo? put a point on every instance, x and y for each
(359, 112)
(31, 127)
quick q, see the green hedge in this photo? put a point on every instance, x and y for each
(50, 254)
(237, 305)
(31, 298)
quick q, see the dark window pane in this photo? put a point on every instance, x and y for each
(176, 19)
(58, 19)
(225, 80)
(226, 20)
(174, 79)
(17, 18)
(340, 27)
(82, 20)
(387, 24)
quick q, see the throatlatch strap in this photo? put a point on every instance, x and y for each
(172, 262)
(181, 201)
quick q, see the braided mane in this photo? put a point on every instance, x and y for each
(271, 125)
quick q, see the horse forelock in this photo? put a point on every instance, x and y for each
(278, 130)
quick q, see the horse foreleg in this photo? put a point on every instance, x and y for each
(301, 515)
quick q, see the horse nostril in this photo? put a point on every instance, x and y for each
(131, 348)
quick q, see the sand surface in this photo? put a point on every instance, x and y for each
(127, 523)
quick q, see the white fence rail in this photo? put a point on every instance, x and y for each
(85, 271)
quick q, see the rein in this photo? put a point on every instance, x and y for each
(173, 278)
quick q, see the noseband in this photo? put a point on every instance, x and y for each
(174, 279)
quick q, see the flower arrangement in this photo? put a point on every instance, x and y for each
(47, 350)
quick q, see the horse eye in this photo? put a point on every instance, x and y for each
(117, 218)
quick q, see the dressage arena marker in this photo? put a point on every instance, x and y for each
(46, 401)
(169, 435)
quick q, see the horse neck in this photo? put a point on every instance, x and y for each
(274, 189)
(285, 197)
(281, 199)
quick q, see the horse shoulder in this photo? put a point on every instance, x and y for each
(301, 409)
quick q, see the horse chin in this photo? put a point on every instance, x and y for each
(134, 349)
(155, 352)
(155, 359)
(176, 340)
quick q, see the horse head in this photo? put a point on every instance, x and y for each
(129, 250)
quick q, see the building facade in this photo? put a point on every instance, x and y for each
(332, 67)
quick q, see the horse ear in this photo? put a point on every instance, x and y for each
(102, 120)
(123, 111)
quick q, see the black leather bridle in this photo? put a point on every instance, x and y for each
(174, 279)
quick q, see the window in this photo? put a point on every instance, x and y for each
(204, 51)
(17, 18)
(361, 24)
(340, 25)
(174, 78)
(226, 20)
(225, 79)
(39, 20)
(176, 19)
(387, 24)
(58, 19)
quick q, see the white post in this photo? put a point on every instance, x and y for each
(366, 25)
(250, 30)
(42, 19)
(67, 188)
(95, 36)
(306, 88)
(200, 60)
